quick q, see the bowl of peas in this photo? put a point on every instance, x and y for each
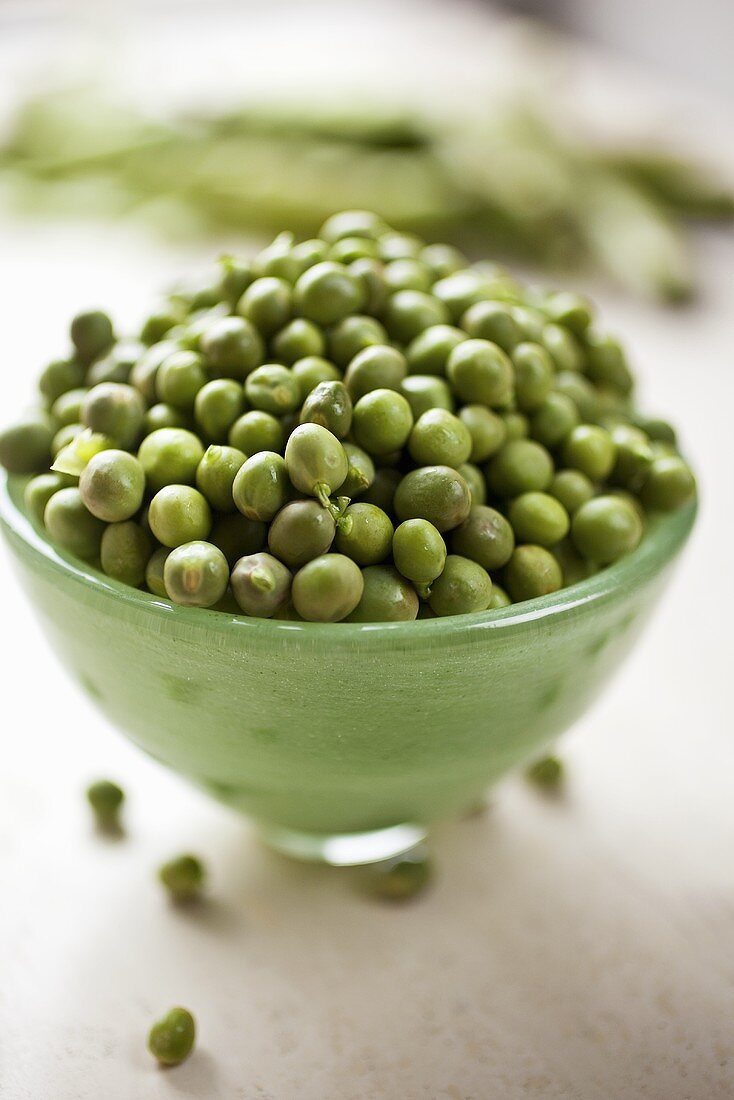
(346, 531)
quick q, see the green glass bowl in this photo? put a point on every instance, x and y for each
(345, 741)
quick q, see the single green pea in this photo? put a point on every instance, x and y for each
(91, 334)
(199, 291)
(481, 373)
(301, 531)
(261, 584)
(39, 491)
(352, 223)
(170, 456)
(67, 409)
(159, 322)
(274, 389)
(59, 377)
(179, 514)
(532, 571)
(571, 488)
(353, 335)
(530, 322)
(443, 259)
(474, 478)
(261, 486)
(463, 587)
(182, 877)
(606, 362)
(196, 574)
(409, 312)
(188, 336)
(69, 523)
(360, 473)
(538, 518)
(217, 406)
(633, 456)
(25, 448)
(179, 379)
(439, 438)
(580, 391)
(256, 431)
(307, 253)
(419, 551)
(125, 550)
(315, 461)
(656, 430)
(328, 292)
(461, 290)
(112, 485)
(232, 347)
(572, 311)
(669, 484)
(534, 375)
(407, 274)
(215, 475)
(277, 259)
(329, 405)
(327, 589)
(116, 365)
(517, 425)
(521, 466)
(487, 430)
(371, 276)
(348, 249)
(590, 449)
(554, 420)
(383, 488)
(493, 321)
(237, 536)
(106, 800)
(236, 275)
(144, 374)
(387, 597)
(485, 537)
(299, 339)
(574, 568)
(115, 410)
(562, 347)
(605, 528)
(424, 392)
(401, 880)
(546, 773)
(378, 367)
(398, 246)
(64, 436)
(172, 1038)
(436, 493)
(162, 415)
(267, 304)
(364, 534)
(382, 422)
(498, 599)
(428, 353)
(312, 370)
(154, 572)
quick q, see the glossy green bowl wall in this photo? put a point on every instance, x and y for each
(340, 728)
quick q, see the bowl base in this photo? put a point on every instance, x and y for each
(344, 849)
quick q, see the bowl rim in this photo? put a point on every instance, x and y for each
(664, 538)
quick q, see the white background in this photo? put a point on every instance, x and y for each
(581, 948)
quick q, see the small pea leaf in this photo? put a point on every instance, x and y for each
(73, 458)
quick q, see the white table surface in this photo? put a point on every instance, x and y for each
(579, 949)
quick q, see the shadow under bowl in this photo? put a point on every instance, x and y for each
(343, 741)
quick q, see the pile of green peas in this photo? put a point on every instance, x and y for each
(361, 427)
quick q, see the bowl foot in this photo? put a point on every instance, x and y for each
(344, 849)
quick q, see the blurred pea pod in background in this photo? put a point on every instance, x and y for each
(514, 182)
